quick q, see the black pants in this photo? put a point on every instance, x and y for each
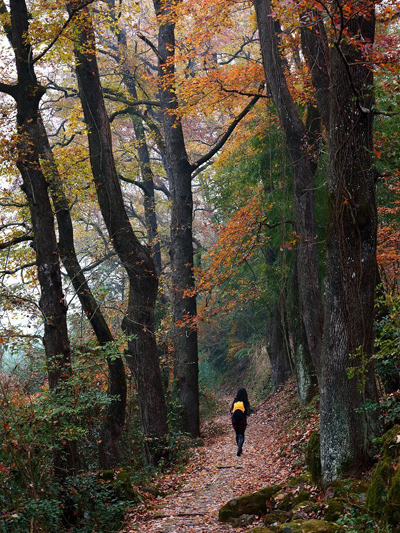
(240, 441)
(239, 437)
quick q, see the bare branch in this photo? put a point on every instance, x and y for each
(65, 142)
(227, 134)
(18, 269)
(242, 93)
(12, 204)
(16, 240)
(149, 43)
(116, 97)
(98, 262)
(69, 92)
(236, 54)
(142, 185)
(199, 170)
(125, 111)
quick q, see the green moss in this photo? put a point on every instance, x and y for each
(277, 516)
(124, 488)
(307, 506)
(285, 502)
(309, 526)
(347, 488)
(302, 496)
(391, 443)
(334, 509)
(107, 475)
(121, 485)
(377, 492)
(383, 495)
(259, 529)
(299, 480)
(313, 458)
(255, 503)
(392, 513)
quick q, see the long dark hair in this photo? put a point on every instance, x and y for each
(241, 396)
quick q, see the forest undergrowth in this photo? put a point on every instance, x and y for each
(273, 453)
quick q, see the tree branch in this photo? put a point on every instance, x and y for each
(242, 93)
(18, 269)
(16, 240)
(98, 262)
(125, 111)
(142, 185)
(71, 15)
(149, 43)
(238, 52)
(226, 135)
(115, 97)
(11, 90)
(199, 170)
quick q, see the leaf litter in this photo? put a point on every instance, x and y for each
(273, 453)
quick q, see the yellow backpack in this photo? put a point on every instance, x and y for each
(238, 406)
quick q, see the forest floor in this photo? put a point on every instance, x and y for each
(273, 453)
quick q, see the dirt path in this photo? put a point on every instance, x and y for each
(215, 474)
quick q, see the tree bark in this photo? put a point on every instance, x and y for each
(277, 348)
(146, 170)
(306, 378)
(28, 93)
(347, 429)
(303, 165)
(138, 323)
(314, 45)
(117, 390)
(180, 176)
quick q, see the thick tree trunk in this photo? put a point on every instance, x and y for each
(315, 48)
(278, 348)
(138, 323)
(346, 429)
(117, 390)
(303, 169)
(27, 94)
(306, 378)
(180, 177)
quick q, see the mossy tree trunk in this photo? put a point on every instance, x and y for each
(346, 428)
(306, 379)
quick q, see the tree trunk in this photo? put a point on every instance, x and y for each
(142, 149)
(180, 177)
(117, 390)
(27, 94)
(138, 323)
(346, 429)
(306, 378)
(314, 45)
(303, 165)
(278, 348)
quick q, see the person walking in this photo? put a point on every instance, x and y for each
(240, 410)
